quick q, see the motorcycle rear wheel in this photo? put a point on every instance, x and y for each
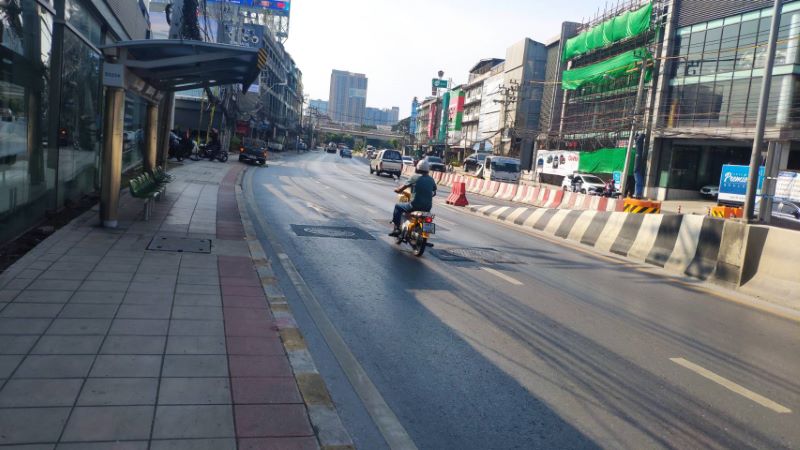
(419, 246)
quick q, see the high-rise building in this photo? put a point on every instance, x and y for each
(382, 116)
(321, 106)
(347, 102)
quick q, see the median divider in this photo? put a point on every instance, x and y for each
(632, 205)
(507, 191)
(490, 188)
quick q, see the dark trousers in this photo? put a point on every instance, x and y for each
(399, 210)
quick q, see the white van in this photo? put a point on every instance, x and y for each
(500, 168)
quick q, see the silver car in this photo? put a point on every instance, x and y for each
(786, 213)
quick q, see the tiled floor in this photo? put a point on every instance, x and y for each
(105, 344)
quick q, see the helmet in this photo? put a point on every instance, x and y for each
(423, 166)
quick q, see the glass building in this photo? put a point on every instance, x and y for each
(713, 82)
(51, 99)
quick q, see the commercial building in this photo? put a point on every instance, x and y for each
(382, 116)
(321, 106)
(708, 93)
(347, 101)
(51, 96)
(473, 93)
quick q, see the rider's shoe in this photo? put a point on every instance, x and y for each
(395, 232)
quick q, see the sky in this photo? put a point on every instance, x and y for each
(401, 44)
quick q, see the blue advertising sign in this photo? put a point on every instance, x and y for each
(412, 126)
(280, 8)
(733, 183)
(617, 178)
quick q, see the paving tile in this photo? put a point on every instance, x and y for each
(39, 392)
(194, 391)
(37, 296)
(246, 314)
(113, 445)
(128, 311)
(252, 281)
(205, 280)
(196, 345)
(54, 366)
(157, 269)
(118, 391)
(73, 265)
(121, 268)
(196, 275)
(79, 326)
(251, 327)
(108, 423)
(195, 366)
(259, 366)
(162, 297)
(97, 297)
(6, 295)
(156, 279)
(242, 291)
(31, 310)
(134, 345)
(30, 447)
(196, 289)
(110, 276)
(16, 345)
(288, 443)
(198, 300)
(31, 425)
(194, 421)
(111, 286)
(18, 283)
(147, 287)
(196, 328)
(56, 285)
(68, 345)
(197, 312)
(119, 366)
(247, 345)
(88, 311)
(18, 326)
(63, 274)
(263, 390)
(144, 327)
(194, 444)
(40, 264)
(29, 274)
(232, 301)
(272, 421)
(8, 363)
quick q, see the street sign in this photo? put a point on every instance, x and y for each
(439, 84)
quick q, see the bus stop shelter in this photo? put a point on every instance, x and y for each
(154, 69)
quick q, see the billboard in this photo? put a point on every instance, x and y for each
(412, 125)
(432, 115)
(278, 8)
(443, 126)
(456, 110)
(788, 186)
(557, 162)
(733, 183)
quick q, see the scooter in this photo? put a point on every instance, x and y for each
(212, 152)
(417, 227)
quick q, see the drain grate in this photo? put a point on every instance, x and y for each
(331, 232)
(180, 244)
(476, 254)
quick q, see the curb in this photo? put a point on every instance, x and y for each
(325, 420)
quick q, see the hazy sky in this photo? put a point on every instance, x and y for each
(401, 44)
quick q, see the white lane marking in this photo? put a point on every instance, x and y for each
(731, 386)
(503, 276)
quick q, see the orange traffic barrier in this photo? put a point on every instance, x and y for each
(458, 196)
(641, 206)
(727, 212)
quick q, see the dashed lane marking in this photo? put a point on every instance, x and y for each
(731, 386)
(503, 276)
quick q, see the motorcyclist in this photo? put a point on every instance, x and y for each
(423, 189)
(213, 146)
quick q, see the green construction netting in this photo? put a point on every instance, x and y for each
(629, 24)
(609, 69)
(605, 160)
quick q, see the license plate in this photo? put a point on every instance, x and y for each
(429, 228)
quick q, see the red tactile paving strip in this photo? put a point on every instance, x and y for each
(268, 409)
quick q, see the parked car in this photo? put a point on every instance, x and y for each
(499, 168)
(583, 183)
(331, 148)
(474, 161)
(710, 191)
(346, 153)
(408, 161)
(436, 164)
(786, 213)
(253, 154)
(387, 161)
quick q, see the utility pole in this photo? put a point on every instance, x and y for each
(634, 124)
(755, 156)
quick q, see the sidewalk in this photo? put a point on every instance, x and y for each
(105, 338)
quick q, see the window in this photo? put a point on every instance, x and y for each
(695, 57)
(706, 104)
(745, 53)
(133, 135)
(79, 16)
(711, 51)
(752, 102)
(762, 42)
(728, 43)
(683, 52)
(722, 98)
(789, 21)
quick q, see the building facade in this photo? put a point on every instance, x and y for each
(347, 101)
(51, 95)
(321, 106)
(382, 116)
(473, 92)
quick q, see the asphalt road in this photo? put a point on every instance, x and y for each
(525, 343)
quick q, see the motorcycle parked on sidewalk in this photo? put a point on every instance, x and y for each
(211, 152)
(416, 229)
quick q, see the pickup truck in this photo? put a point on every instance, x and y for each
(387, 161)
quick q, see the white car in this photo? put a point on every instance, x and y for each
(387, 161)
(583, 183)
(408, 161)
(711, 191)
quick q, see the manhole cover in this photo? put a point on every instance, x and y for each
(476, 254)
(331, 232)
(444, 255)
(180, 244)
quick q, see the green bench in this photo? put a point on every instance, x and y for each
(149, 187)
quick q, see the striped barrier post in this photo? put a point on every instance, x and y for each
(458, 196)
(522, 192)
(641, 206)
(533, 194)
(568, 202)
(507, 191)
(556, 195)
(490, 188)
(726, 212)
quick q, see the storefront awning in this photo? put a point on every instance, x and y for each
(170, 65)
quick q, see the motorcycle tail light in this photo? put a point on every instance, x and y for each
(429, 220)
(241, 149)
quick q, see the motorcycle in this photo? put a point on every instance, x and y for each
(180, 147)
(416, 229)
(210, 152)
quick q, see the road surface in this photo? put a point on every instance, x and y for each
(497, 338)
